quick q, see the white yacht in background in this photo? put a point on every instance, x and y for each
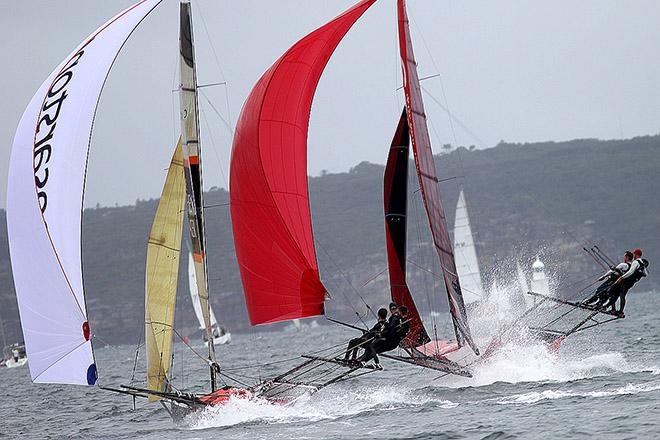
(14, 356)
(220, 334)
(467, 264)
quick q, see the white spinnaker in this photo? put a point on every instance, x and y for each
(44, 204)
(194, 295)
(465, 253)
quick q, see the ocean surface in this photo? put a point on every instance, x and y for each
(604, 382)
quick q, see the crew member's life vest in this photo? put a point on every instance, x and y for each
(618, 272)
(640, 272)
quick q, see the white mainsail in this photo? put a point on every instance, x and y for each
(194, 296)
(44, 204)
(467, 264)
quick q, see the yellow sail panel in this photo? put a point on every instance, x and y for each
(163, 252)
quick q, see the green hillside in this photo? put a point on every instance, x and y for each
(544, 199)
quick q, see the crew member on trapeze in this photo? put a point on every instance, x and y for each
(374, 333)
(602, 293)
(622, 285)
(396, 330)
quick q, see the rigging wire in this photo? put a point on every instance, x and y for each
(225, 180)
(424, 253)
(345, 277)
(437, 69)
(217, 61)
(218, 114)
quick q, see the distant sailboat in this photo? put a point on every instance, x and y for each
(220, 335)
(15, 356)
(467, 263)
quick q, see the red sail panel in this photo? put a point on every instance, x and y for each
(268, 186)
(428, 180)
(396, 208)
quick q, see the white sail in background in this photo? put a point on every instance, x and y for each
(44, 205)
(194, 296)
(522, 278)
(524, 286)
(467, 264)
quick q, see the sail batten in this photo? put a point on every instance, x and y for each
(428, 180)
(270, 210)
(44, 204)
(395, 197)
(162, 274)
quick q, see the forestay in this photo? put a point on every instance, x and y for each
(44, 204)
(428, 180)
(162, 274)
(268, 186)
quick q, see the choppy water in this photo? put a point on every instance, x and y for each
(606, 383)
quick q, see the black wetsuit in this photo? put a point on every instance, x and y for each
(621, 289)
(395, 332)
(602, 292)
(361, 342)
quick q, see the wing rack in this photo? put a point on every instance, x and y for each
(562, 318)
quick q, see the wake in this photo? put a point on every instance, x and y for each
(329, 404)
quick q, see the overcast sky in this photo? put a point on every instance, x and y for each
(518, 71)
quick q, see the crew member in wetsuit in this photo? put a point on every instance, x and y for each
(374, 333)
(405, 324)
(602, 293)
(396, 331)
(395, 316)
(636, 272)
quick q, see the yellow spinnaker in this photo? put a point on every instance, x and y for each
(163, 252)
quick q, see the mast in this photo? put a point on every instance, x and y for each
(193, 170)
(428, 181)
(467, 263)
(395, 197)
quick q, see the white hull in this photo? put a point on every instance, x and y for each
(220, 340)
(11, 363)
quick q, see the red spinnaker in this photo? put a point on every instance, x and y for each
(428, 180)
(269, 196)
(395, 196)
